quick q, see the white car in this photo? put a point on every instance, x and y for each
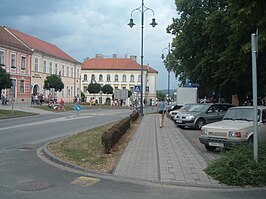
(235, 128)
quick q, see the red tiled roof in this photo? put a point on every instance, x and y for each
(114, 64)
(40, 45)
(7, 39)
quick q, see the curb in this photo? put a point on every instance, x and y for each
(89, 172)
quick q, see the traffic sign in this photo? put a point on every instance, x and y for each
(137, 89)
(77, 107)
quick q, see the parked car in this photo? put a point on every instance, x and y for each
(235, 128)
(202, 114)
(173, 106)
(184, 108)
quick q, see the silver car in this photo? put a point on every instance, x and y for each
(202, 114)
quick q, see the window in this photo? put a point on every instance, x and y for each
(23, 63)
(22, 86)
(56, 69)
(85, 77)
(13, 60)
(67, 72)
(2, 58)
(78, 73)
(36, 64)
(72, 72)
(132, 78)
(51, 68)
(85, 89)
(100, 78)
(139, 78)
(124, 78)
(108, 78)
(92, 78)
(44, 67)
(63, 70)
(116, 78)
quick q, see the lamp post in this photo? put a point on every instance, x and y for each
(142, 9)
(168, 48)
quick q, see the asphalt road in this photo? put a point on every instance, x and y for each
(24, 175)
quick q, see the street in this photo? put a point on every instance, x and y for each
(25, 175)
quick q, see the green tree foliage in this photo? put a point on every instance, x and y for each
(94, 88)
(129, 93)
(212, 44)
(53, 81)
(5, 81)
(107, 89)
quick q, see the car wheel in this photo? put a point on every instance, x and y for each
(210, 148)
(199, 123)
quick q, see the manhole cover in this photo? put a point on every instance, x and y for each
(35, 185)
(27, 148)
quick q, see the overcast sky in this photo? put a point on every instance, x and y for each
(83, 28)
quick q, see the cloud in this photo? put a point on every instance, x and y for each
(83, 28)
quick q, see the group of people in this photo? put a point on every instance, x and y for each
(54, 106)
(4, 99)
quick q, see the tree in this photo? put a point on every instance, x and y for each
(107, 89)
(212, 44)
(5, 81)
(53, 81)
(129, 93)
(94, 88)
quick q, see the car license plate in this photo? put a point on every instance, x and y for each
(179, 121)
(216, 144)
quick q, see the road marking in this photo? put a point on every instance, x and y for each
(85, 181)
(73, 117)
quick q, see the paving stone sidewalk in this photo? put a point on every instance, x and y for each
(163, 155)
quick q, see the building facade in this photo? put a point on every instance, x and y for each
(47, 59)
(121, 74)
(15, 58)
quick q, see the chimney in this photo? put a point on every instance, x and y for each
(99, 56)
(114, 56)
(86, 59)
(133, 57)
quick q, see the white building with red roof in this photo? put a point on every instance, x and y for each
(48, 59)
(121, 74)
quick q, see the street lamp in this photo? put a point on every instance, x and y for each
(168, 48)
(142, 9)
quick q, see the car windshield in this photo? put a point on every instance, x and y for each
(186, 107)
(198, 108)
(240, 114)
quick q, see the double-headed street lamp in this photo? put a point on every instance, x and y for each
(168, 48)
(142, 10)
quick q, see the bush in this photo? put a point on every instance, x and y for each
(113, 135)
(237, 167)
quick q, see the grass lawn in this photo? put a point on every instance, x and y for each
(85, 149)
(8, 114)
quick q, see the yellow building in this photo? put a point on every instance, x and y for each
(121, 74)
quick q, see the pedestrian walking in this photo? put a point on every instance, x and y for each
(161, 108)
(62, 104)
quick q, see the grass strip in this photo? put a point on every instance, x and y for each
(85, 149)
(5, 114)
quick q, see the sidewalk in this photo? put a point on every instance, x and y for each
(163, 155)
(24, 107)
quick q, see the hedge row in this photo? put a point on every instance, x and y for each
(113, 135)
